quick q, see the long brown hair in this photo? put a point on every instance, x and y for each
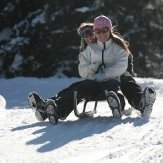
(118, 39)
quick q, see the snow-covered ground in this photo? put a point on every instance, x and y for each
(100, 139)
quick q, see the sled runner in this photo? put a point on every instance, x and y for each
(100, 97)
(84, 114)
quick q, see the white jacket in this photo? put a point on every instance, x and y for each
(115, 59)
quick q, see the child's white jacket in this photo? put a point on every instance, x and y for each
(115, 60)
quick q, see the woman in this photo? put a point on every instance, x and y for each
(137, 98)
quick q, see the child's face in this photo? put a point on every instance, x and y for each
(88, 36)
(90, 39)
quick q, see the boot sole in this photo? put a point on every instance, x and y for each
(51, 113)
(33, 104)
(148, 109)
(115, 108)
(39, 116)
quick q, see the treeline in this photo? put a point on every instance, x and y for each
(39, 38)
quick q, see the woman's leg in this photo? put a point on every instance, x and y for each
(85, 88)
(115, 100)
(140, 100)
(70, 88)
(131, 90)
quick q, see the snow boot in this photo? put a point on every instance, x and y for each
(114, 104)
(51, 110)
(147, 100)
(38, 106)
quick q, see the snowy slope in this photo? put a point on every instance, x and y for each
(100, 139)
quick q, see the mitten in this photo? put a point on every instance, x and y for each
(100, 77)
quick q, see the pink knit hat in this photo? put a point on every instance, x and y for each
(102, 22)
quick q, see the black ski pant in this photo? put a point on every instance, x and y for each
(85, 88)
(131, 90)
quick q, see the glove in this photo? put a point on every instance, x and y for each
(100, 77)
(94, 66)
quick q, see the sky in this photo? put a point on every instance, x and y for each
(99, 139)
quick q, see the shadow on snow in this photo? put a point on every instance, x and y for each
(54, 137)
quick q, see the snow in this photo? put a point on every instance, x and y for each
(19, 41)
(2, 102)
(82, 9)
(38, 19)
(149, 7)
(18, 60)
(23, 139)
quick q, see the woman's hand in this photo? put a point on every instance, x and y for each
(100, 77)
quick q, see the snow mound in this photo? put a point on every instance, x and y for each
(2, 102)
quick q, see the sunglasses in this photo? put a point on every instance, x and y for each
(103, 30)
(87, 33)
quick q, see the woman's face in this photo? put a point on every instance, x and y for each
(102, 34)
